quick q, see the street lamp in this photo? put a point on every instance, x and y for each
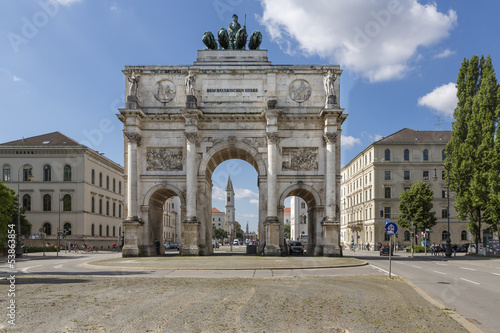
(59, 228)
(448, 233)
(29, 177)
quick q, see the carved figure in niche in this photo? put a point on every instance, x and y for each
(160, 159)
(300, 91)
(328, 81)
(255, 40)
(133, 80)
(189, 81)
(209, 40)
(164, 91)
(233, 28)
(223, 38)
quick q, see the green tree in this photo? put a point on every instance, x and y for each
(218, 233)
(416, 204)
(8, 215)
(470, 152)
(286, 230)
(239, 231)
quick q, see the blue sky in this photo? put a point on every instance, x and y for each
(61, 62)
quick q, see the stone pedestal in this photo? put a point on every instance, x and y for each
(191, 231)
(191, 102)
(272, 226)
(131, 230)
(331, 236)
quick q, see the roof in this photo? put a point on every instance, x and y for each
(287, 210)
(49, 139)
(229, 186)
(215, 210)
(407, 135)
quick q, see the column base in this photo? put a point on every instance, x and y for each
(131, 229)
(331, 237)
(272, 227)
(189, 244)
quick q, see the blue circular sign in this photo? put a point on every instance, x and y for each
(391, 228)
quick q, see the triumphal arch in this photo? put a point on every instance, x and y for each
(181, 122)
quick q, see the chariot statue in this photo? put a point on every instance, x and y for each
(234, 38)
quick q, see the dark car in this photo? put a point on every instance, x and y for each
(295, 247)
(384, 250)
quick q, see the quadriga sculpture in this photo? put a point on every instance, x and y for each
(223, 38)
(255, 40)
(241, 39)
(209, 40)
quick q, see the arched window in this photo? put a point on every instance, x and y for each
(47, 173)
(92, 229)
(27, 202)
(426, 155)
(107, 231)
(47, 228)
(463, 235)
(107, 208)
(92, 204)
(47, 203)
(100, 179)
(27, 175)
(407, 235)
(114, 185)
(100, 230)
(114, 235)
(67, 227)
(119, 210)
(7, 175)
(100, 206)
(443, 154)
(67, 173)
(114, 209)
(406, 155)
(67, 203)
(107, 182)
(387, 155)
(93, 177)
(444, 235)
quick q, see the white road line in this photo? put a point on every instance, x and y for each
(439, 272)
(495, 274)
(58, 266)
(437, 263)
(25, 270)
(469, 269)
(416, 266)
(470, 281)
(382, 270)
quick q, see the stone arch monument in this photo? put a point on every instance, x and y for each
(181, 122)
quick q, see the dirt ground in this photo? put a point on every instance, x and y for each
(161, 304)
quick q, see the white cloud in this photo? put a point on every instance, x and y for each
(218, 193)
(377, 137)
(445, 54)
(442, 99)
(16, 78)
(376, 39)
(348, 142)
(66, 2)
(242, 193)
(113, 8)
(254, 202)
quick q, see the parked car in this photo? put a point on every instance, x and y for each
(235, 242)
(384, 250)
(295, 247)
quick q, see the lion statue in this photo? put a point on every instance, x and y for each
(255, 40)
(223, 38)
(209, 40)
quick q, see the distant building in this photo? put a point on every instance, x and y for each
(373, 181)
(298, 218)
(63, 184)
(219, 219)
(172, 220)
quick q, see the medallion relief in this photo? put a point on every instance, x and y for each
(300, 91)
(300, 159)
(163, 159)
(164, 91)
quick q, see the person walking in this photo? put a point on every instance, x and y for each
(157, 244)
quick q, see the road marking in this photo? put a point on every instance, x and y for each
(495, 274)
(382, 270)
(469, 269)
(439, 272)
(469, 281)
(416, 266)
(25, 270)
(58, 266)
(437, 263)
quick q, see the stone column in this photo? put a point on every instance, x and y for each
(330, 140)
(272, 223)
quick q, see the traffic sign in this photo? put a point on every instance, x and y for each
(391, 228)
(386, 221)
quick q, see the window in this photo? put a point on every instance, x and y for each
(107, 182)
(114, 185)
(93, 177)
(387, 237)
(100, 230)
(425, 175)
(444, 193)
(27, 202)
(107, 231)
(387, 212)
(100, 179)
(387, 192)
(407, 175)
(443, 175)
(7, 176)
(120, 187)
(303, 205)
(114, 209)
(228, 198)
(444, 213)
(27, 176)
(463, 235)
(387, 175)
(443, 154)
(47, 203)
(406, 155)
(114, 229)
(67, 227)
(47, 228)
(406, 188)
(119, 210)
(444, 235)
(107, 208)
(67, 173)
(100, 206)
(407, 235)
(67, 203)
(92, 229)
(387, 155)
(47, 173)
(426, 155)
(92, 204)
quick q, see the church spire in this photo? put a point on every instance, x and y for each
(229, 186)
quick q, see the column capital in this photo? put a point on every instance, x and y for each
(330, 138)
(133, 137)
(192, 137)
(272, 138)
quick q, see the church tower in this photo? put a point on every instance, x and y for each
(230, 214)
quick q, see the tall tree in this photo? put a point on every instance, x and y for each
(469, 154)
(8, 214)
(416, 205)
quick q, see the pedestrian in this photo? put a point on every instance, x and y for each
(367, 246)
(433, 248)
(157, 244)
(455, 250)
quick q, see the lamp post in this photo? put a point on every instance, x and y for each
(448, 233)
(59, 227)
(29, 177)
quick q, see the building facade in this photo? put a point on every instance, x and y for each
(373, 181)
(172, 221)
(64, 185)
(298, 218)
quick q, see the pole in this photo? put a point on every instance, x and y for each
(448, 238)
(390, 257)
(59, 227)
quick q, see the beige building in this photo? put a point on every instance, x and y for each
(172, 221)
(63, 184)
(373, 181)
(298, 217)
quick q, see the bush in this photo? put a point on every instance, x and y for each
(416, 249)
